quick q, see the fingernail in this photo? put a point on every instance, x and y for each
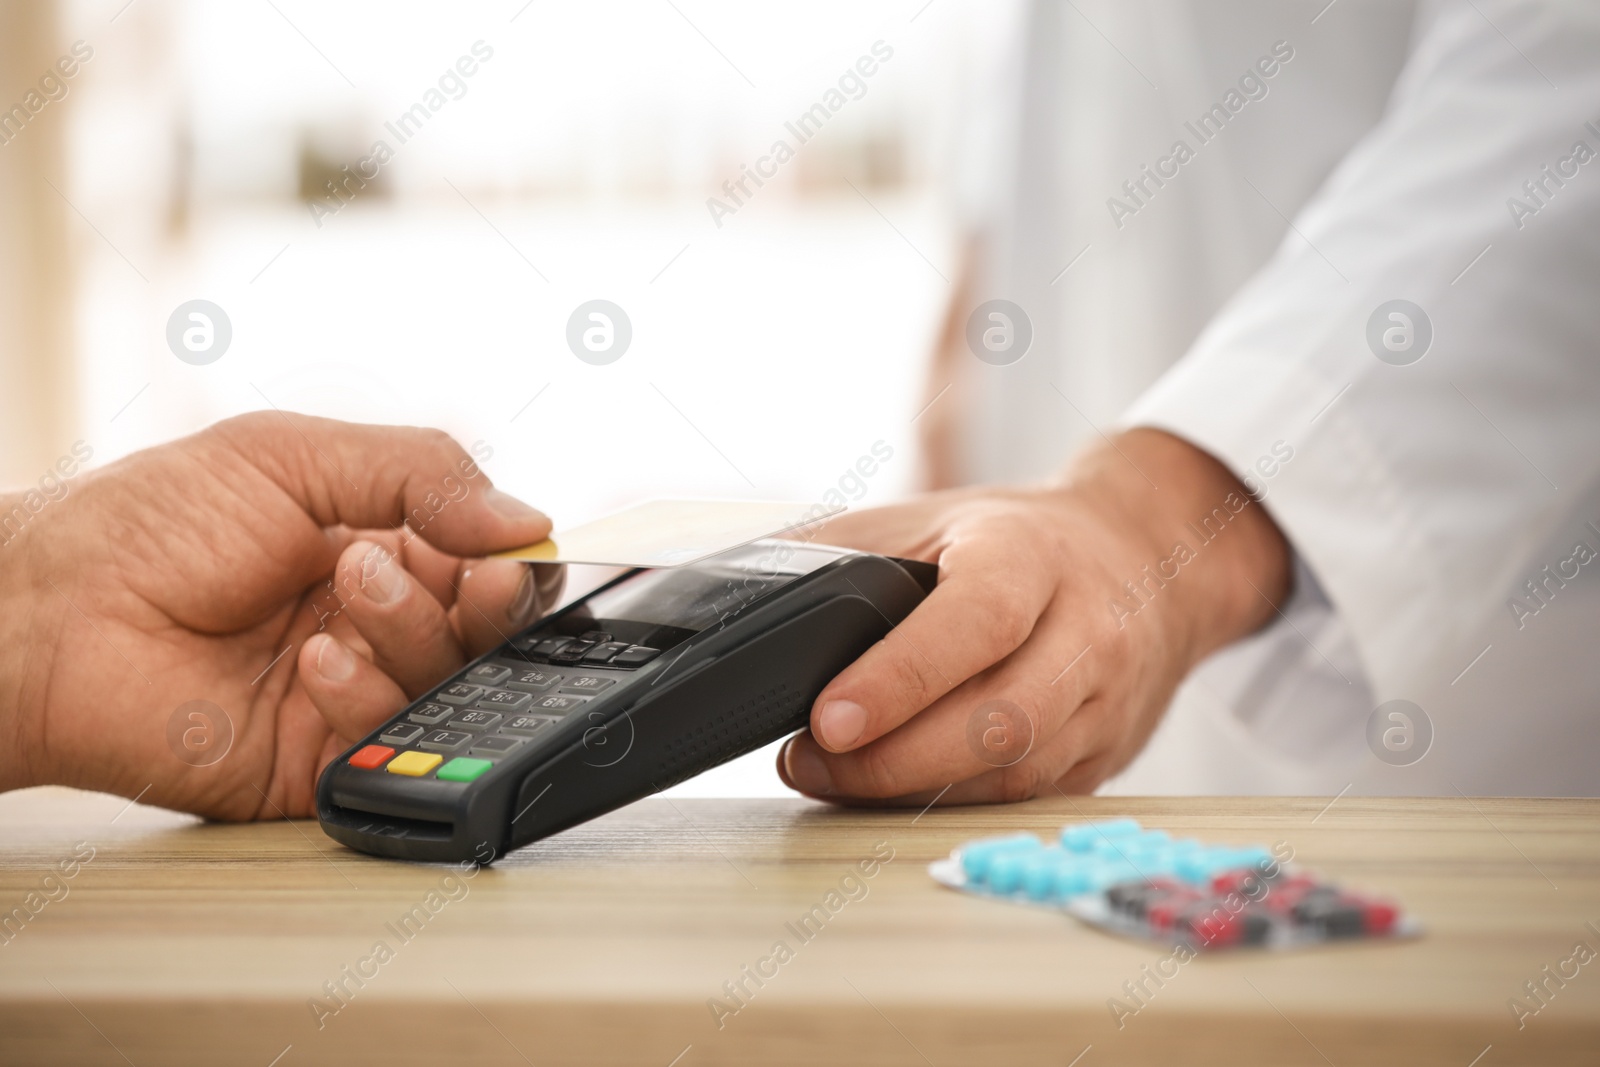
(511, 507)
(807, 770)
(381, 578)
(840, 723)
(526, 603)
(335, 662)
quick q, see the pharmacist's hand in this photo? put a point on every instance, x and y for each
(1064, 619)
(259, 567)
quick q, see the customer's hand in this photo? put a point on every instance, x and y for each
(200, 571)
(1064, 619)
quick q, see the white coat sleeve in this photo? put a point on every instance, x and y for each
(1418, 493)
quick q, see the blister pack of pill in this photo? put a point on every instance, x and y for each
(1125, 879)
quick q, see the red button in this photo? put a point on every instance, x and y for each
(372, 757)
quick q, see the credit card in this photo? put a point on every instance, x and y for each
(672, 533)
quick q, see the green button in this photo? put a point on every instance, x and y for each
(462, 769)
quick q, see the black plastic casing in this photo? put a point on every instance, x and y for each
(722, 693)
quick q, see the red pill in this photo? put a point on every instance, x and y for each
(1379, 916)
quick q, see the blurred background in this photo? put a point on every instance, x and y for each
(229, 153)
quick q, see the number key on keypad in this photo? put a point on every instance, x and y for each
(504, 700)
(476, 721)
(558, 703)
(459, 693)
(445, 740)
(587, 684)
(432, 714)
(528, 725)
(532, 681)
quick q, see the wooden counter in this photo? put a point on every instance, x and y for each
(182, 943)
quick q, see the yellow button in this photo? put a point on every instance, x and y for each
(416, 764)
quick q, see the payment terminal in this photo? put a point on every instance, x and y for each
(647, 681)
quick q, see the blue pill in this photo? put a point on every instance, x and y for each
(1039, 873)
(1254, 856)
(1154, 863)
(1127, 846)
(1108, 846)
(1198, 867)
(1104, 875)
(1193, 867)
(977, 855)
(1005, 872)
(1082, 837)
(1073, 879)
